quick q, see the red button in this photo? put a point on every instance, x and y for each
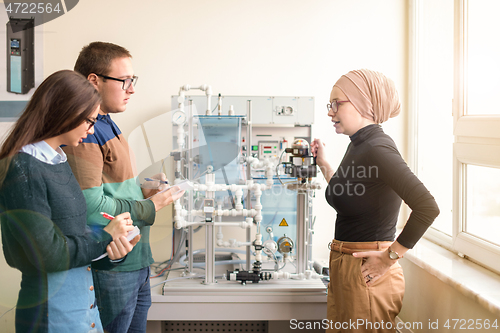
(92, 325)
(91, 288)
(92, 306)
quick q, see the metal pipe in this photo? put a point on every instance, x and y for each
(249, 176)
(210, 239)
(302, 198)
(190, 174)
(310, 231)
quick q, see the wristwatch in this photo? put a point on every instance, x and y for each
(394, 255)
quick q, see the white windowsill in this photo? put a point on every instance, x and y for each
(472, 280)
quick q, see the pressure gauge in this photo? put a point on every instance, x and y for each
(179, 117)
(285, 245)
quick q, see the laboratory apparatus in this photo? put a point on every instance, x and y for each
(250, 166)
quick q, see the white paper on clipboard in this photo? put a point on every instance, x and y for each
(184, 185)
(131, 234)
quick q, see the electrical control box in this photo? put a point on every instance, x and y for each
(268, 149)
(266, 110)
(20, 55)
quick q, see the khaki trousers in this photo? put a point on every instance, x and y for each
(355, 307)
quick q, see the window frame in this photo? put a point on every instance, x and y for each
(476, 138)
(416, 25)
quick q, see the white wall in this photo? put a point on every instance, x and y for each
(280, 47)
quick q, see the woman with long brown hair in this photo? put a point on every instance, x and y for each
(43, 211)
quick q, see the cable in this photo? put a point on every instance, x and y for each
(175, 256)
(162, 164)
(277, 166)
(284, 264)
(177, 278)
(168, 262)
(3, 314)
(204, 172)
(215, 106)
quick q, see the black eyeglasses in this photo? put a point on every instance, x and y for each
(334, 105)
(126, 82)
(91, 123)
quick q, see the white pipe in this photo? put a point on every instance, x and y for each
(206, 88)
(258, 205)
(181, 223)
(307, 275)
(178, 216)
(242, 225)
(226, 212)
(269, 174)
(180, 136)
(233, 187)
(232, 243)
(219, 235)
(239, 195)
(208, 92)
(280, 275)
(258, 253)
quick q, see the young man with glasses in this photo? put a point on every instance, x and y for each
(102, 165)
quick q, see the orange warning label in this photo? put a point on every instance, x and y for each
(283, 223)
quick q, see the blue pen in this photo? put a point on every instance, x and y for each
(156, 180)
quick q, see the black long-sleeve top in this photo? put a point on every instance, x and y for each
(367, 188)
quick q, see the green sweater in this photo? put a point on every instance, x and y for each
(43, 223)
(102, 164)
(45, 236)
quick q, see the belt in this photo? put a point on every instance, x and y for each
(351, 247)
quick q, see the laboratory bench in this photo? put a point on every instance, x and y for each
(183, 301)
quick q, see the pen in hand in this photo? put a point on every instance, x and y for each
(156, 180)
(111, 217)
(130, 235)
(107, 216)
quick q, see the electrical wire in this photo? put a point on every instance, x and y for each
(284, 264)
(174, 257)
(3, 314)
(215, 106)
(277, 166)
(168, 262)
(178, 278)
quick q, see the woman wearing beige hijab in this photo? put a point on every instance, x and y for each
(366, 288)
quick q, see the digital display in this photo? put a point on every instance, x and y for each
(14, 43)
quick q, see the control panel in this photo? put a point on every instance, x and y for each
(268, 149)
(15, 46)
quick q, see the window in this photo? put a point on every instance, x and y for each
(477, 135)
(482, 209)
(431, 105)
(458, 157)
(482, 56)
